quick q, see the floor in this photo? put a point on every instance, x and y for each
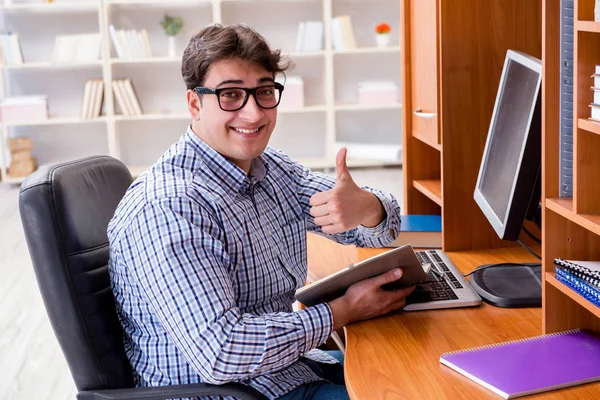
(31, 362)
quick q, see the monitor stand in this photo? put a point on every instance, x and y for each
(509, 285)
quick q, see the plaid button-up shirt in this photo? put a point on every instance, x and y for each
(204, 264)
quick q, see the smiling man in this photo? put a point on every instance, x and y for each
(208, 247)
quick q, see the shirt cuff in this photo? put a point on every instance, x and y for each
(318, 325)
(388, 230)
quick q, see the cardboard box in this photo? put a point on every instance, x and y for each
(16, 145)
(19, 169)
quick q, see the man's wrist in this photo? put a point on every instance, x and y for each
(376, 212)
(340, 312)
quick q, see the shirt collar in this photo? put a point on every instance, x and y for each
(233, 178)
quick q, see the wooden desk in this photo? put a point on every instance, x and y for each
(397, 356)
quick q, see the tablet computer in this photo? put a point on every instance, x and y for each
(335, 285)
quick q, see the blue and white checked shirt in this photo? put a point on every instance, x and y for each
(204, 264)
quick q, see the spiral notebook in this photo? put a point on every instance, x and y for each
(532, 365)
(588, 270)
(583, 285)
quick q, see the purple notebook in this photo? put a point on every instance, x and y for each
(532, 365)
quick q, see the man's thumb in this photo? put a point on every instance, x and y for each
(394, 275)
(340, 164)
(388, 278)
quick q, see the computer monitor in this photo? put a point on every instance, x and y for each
(508, 186)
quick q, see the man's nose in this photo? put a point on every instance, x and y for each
(251, 110)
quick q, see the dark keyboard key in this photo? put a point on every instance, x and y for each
(441, 280)
(444, 267)
(424, 259)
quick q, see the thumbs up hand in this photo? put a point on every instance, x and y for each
(346, 205)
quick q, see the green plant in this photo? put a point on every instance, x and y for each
(171, 25)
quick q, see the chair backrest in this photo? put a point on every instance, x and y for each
(65, 210)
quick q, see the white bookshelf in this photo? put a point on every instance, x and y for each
(57, 6)
(58, 121)
(153, 117)
(153, 60)
(50, 65)
(309, 134)
(368, 50)
(306, 109)
(361, 107)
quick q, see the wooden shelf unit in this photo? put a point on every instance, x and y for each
(452, 62)
(590, 126)
(432, 188)
(551, 280)
(571, 226)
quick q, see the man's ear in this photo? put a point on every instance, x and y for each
(194, 105)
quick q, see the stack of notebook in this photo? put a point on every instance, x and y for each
(581, 276)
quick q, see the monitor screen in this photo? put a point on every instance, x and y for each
(510, 166)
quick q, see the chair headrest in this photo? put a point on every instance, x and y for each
(73, 189)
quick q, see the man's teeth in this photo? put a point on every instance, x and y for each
(246, 130)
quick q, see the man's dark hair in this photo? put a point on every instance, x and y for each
(217, 42)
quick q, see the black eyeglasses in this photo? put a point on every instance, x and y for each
(235, 98)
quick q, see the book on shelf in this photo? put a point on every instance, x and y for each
(310, 36)
(126, 98)
(85, 99)
(420, 231)
(83, 47)
(300, 35)
(596, 77)
(582, 287)
(596, 97)
(119, 96)
(342, 33)
(129, 43)
(588, 268)
(98, 99)
(93, 95)
(581, 276)
(532, 365)
(11, 49)
(132, 97)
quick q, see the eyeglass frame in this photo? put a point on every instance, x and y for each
(248, 91)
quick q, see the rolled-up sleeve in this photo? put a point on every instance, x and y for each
(387, 230)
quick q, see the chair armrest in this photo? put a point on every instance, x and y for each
(243, 392)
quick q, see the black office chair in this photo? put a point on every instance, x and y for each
(65, 210)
